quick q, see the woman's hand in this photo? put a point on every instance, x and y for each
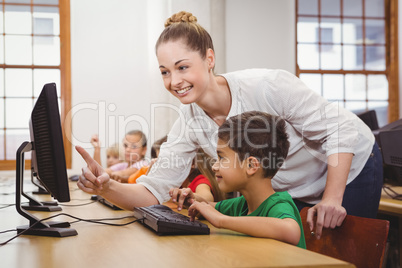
(329, 211)
(117, 176)
(329, 215)
(183, 197)
(94, 180)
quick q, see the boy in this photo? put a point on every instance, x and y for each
(251, 148)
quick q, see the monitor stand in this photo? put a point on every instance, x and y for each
(37, 205)
(36, 226)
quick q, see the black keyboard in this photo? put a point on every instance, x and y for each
(164, 221)
(103, 201)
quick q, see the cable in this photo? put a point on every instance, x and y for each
(106, 219)
(391, 193)
(6, 205)
(7, 231)
(98, 221)
(65, 205)
(78, 205)
(80, 199)
(10, 205)
(13, 193)
(30, 227)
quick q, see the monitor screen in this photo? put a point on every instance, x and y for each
(48, 159)
(370, 118)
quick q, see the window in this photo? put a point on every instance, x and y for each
(346, 52)
(34, 50)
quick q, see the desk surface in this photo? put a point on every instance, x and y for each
(134, 245)
(389, 205)
(393, 207)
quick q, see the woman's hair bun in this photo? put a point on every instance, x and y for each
(182, 16)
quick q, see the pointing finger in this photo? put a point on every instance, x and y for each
(85, 155)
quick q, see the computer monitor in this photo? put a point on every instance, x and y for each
(369, 118)
(389, 139)
(48, 161)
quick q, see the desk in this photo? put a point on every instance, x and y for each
(393, 207)
(136, 246)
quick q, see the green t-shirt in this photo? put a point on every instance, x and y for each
(279, 205)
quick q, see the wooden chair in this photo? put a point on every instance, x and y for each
(360, 241)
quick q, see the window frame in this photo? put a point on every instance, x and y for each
(391, 60)
(65, 83)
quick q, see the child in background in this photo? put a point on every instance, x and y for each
(251, 148)
(157, 146)
(154, 154)
(135, 147)
(112, 153)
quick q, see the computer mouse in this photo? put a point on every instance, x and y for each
(74, 177)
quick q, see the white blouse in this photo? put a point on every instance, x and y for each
(316, 129)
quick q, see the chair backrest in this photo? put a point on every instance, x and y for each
(360, 241)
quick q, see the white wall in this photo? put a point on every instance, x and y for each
(114, 68)
(114, 71)
(260, 34)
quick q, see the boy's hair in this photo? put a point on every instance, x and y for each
(141, 134)
(156, 146)
(183, 26)
(257, 134)
(113, 150)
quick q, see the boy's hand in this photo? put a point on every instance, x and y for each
(206, 210)
(183, 196)
(95, 141)
(94, 179)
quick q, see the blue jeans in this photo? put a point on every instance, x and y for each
(362, 195)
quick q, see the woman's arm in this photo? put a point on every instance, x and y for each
(330, 212)
(173, 163)
(96, 181)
